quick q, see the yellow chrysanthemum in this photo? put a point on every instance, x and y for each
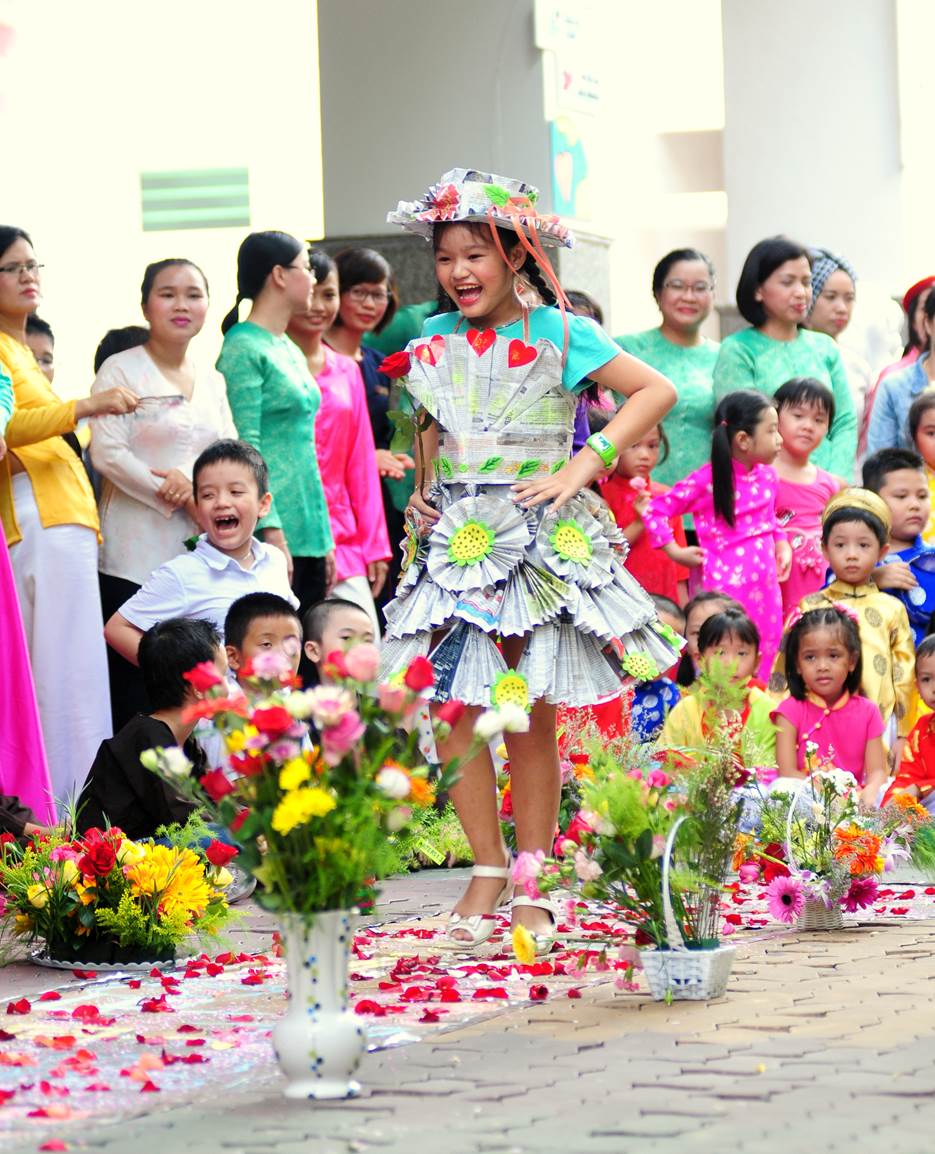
(22, 925)
(299, 807)
(524, 947)
(294, 773)
(174, 878)
(236, 742)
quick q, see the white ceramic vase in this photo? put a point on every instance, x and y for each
(319, 1042)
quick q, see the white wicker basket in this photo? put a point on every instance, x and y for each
(815, 914)
(678, 972)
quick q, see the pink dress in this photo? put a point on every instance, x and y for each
(842, 735)
(741, 559)
(798, 512)
(347, 461)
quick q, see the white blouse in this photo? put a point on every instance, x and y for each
(140, 531)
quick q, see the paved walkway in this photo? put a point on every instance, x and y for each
(824, 1042)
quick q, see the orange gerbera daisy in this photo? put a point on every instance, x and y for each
(909, 808)
(859, 848)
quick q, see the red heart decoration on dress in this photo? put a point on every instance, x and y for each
(520, 354)
(431, 351)
(479, 341)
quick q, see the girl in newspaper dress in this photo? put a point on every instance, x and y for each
(504, 539)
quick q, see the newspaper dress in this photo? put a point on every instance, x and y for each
(490, 568)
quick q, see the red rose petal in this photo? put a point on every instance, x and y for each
(574, 993)
(368, 1006)
(85, 974)
(20, 1007)
(97, 1088)
(429, 1015)
(538, 993)
(156, 1006)
(489, 992)
(149, 1088)
(55, 1144)
(50, 996)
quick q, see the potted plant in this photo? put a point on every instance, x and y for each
(105, 900)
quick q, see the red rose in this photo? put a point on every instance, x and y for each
(396, 364)
(273, 721)
(451, 712)
(506, 806)
(203, 677)
(216, 785)
(420, 674)
(219, 853)
(98, 860)
(334, 665)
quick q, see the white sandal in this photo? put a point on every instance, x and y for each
(481, 926)
(542, 942)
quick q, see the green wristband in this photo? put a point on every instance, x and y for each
(604, 448)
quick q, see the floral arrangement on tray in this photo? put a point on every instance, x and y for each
(105, 899)
(315, 822)
(816, 847)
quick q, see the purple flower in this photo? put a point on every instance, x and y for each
(785, 898)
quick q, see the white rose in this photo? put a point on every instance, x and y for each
(488, 725)
(513, 719)
(171, 761)
(297, 705)
(394, 783)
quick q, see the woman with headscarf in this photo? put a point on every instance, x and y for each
(834, 290)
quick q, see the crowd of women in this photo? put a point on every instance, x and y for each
(298, 376)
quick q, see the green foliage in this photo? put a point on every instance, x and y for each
(435, 838)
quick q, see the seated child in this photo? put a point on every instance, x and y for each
(628, 491)
(261, 623)
(231, 489)
(916, 773)
(652, 700)
(334, 624)
(118, 790)
(697, 611)
(824, 706)
(855, 527)
(907, 570)
(729, 638)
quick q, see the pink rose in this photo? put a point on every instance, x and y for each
(337, 740)
(362, 661)
(657, 779)
(271, 665)
(392, 698)
(586, 869)
(526, 871)
(749, 872)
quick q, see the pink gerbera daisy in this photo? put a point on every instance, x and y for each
(785, 898)
(863, 892)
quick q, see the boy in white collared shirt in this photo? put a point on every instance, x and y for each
(231, 489)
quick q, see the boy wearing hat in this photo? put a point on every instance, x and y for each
(855, 528)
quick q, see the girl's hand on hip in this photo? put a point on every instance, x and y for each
(560, 487)
(422, 507)
(688, 556)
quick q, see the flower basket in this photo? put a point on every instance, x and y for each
(816, 915)
(680, 973)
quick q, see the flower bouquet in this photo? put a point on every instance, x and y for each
(103, 899)
(820, 853)
(315, 822)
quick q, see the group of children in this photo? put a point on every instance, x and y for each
(819, 595)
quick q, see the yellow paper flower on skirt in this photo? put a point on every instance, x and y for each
(294, 773)
(510, 688)
(299, 807)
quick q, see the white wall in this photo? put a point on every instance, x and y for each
(411, 89)
(811, 137)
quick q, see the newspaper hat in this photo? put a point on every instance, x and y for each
(466, 195)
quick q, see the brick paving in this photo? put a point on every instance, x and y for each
(824, 1042)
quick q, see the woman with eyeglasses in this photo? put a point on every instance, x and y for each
(774, 293)
(51, 524)
(683, 289)
(274, 399)
(145, 459)
(367, 305)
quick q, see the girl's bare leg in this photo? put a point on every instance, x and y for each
(475, 799)
(536, 784)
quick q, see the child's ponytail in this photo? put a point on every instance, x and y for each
(738, 412)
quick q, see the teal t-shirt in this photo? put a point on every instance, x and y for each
(751, 360)
(689, 423)
(589, 347)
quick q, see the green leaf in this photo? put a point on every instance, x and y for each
(445, 467)
(644, 845)
(496, 193)
(490, 464)
(558, 465)
(527, 468)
